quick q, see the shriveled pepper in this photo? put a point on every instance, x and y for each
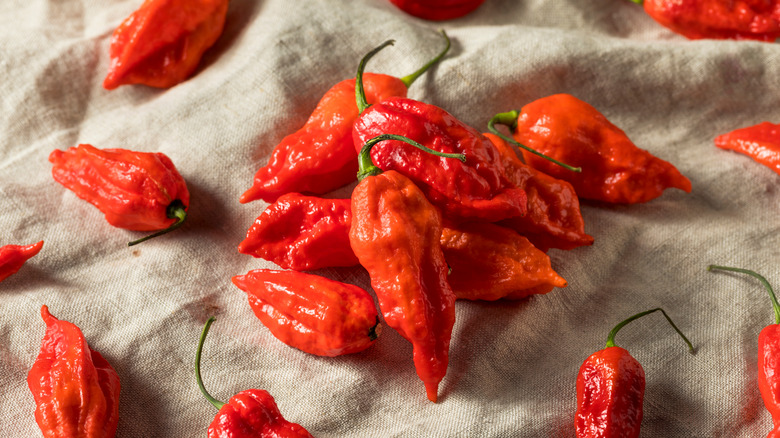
(760, 142)
(76, 390)
(161, 43)
(567, 129)
(252, 413)
(312, 313)
(139, 191)
(320, 156)
(611, 388)
(437, 10)
(302, 233)
(717, 19)
(12, 257)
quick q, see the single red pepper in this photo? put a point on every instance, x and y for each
(717, 19)
(252, 413)
(614, 169)
(302, 233)
(76, 390)
(437, 10)
(12, 257)
(320, 156)
(139, 191)
(611, 387)
(161, 43)
(760, 142)
(312, 313)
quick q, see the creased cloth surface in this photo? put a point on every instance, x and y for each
(513, 365)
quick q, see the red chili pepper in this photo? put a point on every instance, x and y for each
(760, 142)
(252, 413)
(320, 157)
(12, 257)
(717, 19)
(312, 313)
(76, 391)
(161, 43)
(610, 389)
(570, 130)
(137, 191)
(437, 10)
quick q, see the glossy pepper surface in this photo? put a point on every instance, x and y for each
(312, 313)
(437, 10)
(161, 43)
(302, 233)
(252, 413)
(614, 169)
(139, 191)
(12, 257)
(76, 390)
(320, 157)
(760, 142)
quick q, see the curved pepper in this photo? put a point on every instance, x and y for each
(249, 414)
(12, 257)
(611, 387)
(312, 313)
(437, 10)
(760, 142)
(320, 156)
(76, 390)
(161, 43)
(570, 130)
(139, 191)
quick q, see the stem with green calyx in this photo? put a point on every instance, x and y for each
(217, 404)
(409, 79)
(367, 168)
(509, 119)
(360, 93)
(761, 279)
(611, 337)
(176, 210)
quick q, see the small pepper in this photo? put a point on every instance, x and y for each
(252, 413)
(569, 130)
(137, 191)
(611, 387)
(12, 257)
(760, 142)
(320, 156)
(76, 390)
(312, 313)
(162, 42)
(437, 10)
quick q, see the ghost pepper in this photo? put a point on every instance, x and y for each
(12, 257)
(437, 10)
(760, 142)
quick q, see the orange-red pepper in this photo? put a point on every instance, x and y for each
(12, 257)
(76, 390)
(161, 43)
(437, 10)
(760, 142)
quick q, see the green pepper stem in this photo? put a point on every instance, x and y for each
(176, 210)
(217, 404)
(761, 279)
(509, 119)
(360, 93)
(409, 79)
(366, 167)
(611, 337)
(639, 2)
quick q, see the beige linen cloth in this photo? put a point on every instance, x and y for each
(513, 365)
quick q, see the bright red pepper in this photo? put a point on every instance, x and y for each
(312, 313)
(610, 389)
(320, 157)
(252, 413)
(760, 142)
(137, 191)
(12, 257)
(76, 390)
(162, 42)
(437, 10)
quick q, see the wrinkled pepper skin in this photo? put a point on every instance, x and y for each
(134, 190)
(395, 234)
(769, 372)
(760, 142)
(554, 219)
(253, 413)
(718, 19)
(613, 168)
(12, 257)
(312, 313)
(161, 43)
(302, 233)
(476, 189)
(610, 391)
(437, 10)
(76, 390)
